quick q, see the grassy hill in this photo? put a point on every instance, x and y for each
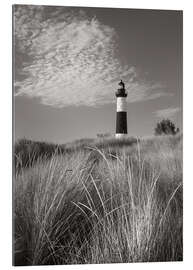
(98, 201)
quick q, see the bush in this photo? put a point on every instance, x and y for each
(166, 127)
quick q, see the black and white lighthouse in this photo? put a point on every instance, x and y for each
(121, 117)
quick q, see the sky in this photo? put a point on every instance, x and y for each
(67, 63)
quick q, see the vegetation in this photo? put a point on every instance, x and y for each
(27, 152)
(166, 127)
(98, 202)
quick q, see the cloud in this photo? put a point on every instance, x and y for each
(70, 59)
(167, 113)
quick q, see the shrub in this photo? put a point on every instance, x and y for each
(166, 127)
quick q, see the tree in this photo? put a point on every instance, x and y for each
(166, 127)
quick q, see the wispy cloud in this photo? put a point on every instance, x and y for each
(167, 113)
(71, 59)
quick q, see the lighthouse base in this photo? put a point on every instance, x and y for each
(120, 135)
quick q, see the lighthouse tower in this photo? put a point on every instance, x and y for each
(121, 118)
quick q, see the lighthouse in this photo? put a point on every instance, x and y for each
(121, 117)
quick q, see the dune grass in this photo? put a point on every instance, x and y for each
(106, 204)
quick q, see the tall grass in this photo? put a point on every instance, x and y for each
(26, 152)
(104, 205)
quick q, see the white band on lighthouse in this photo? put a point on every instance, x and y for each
(120, 135)
(121, 104)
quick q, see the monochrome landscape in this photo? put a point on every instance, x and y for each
(98, 135)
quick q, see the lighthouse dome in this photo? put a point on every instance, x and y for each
(121, 92)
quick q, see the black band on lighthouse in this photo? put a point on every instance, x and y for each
(121, 122)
